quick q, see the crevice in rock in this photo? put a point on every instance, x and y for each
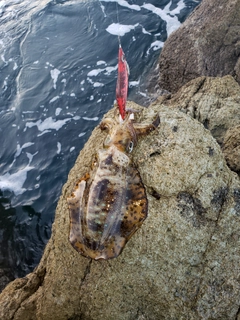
(154, 154)
(237, 314)
(196, 89)
(75, 317)
(206, 123)
(200, 85)
(80, 312)
(86, 272)
(236, 197)
(30, 287)
(191, 209)
(219, 199)
(154, 193)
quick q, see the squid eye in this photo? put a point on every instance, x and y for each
(130, 147)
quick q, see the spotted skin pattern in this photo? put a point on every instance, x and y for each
(109, 203)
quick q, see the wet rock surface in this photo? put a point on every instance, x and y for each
(183, 263)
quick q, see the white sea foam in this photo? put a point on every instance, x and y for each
(156, 45)
(124, 3)
(145, 31)
(100, 62)
(103, 10)
(58, 111)
(59, 147)
(54, 74)
(82, 134)
(106, 71)
(71, 149)
(118, 29)
(98, 84)
(28, 111)
(172, 22)
(91, 119)
(181, 5)
(54, 99)
(30, 156)
(15, 66)
(49, 64)
(3, 59)
(20, 148)
(44, 132)
(15, 181)
(5, 86)
(90, 80)
(48, 124)
(94, 72)
(134, 83)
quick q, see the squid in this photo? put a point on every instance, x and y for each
(109, 203)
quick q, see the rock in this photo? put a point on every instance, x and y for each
(5, 277)
(212, 101)
(206, 44)
(231, 148)
(183, 263)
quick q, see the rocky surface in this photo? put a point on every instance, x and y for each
(212, 101)
(5, 278)
(207, 44)
(231, 148)
(183, 263)
(215, 103)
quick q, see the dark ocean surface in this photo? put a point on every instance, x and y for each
(58, 70)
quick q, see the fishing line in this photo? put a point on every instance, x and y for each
(119, 40)
(108, 16)
(123, 72)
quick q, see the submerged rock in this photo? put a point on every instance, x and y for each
(206, 44)
(183, 263)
